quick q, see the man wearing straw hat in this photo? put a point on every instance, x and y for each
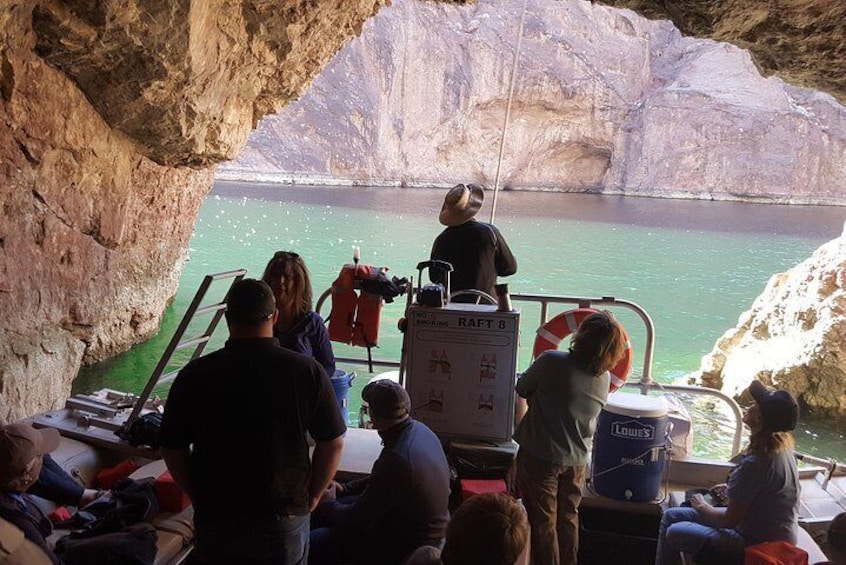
(477, 251)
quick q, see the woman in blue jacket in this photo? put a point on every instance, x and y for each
(298, 327)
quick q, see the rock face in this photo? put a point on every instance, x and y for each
(793, 336)
(604, 101)
(803, 41)
(111, 116)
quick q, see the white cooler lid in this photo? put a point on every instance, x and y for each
(636, 405)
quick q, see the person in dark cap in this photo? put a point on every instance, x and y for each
(477, 251)
(401, 506)
(835, 541)
(763, 492)
(21, 450)
(240, 417)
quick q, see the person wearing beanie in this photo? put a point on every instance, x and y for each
(763, 492)
(401, 506)
(477, 251)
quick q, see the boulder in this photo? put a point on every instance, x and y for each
(793, 337)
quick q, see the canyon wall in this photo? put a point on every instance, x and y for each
(604, 101)
(112, 116)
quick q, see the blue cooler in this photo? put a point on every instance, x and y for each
(342, 382)
(629, 447)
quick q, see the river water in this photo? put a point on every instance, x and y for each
(695, 266)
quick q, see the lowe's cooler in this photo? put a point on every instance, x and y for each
(629, 447)
(342, 382)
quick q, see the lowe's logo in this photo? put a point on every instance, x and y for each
(632, 429)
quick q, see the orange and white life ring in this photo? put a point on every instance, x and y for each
(552, 333)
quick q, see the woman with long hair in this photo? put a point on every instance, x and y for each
(298, 326)
(763, 492)
(559, 398)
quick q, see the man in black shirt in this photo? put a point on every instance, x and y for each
(234, 438)
(477, 251)
(402, 505)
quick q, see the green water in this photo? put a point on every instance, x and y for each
(694, 266)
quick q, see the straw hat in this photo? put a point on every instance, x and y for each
(461, 203)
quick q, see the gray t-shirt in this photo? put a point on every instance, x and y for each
(770, 488)
(564, 402)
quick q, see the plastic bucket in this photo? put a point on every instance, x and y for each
(342, 382)
(629, 447)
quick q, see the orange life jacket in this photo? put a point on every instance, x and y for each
(355, 316)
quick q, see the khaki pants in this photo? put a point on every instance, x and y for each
(551, 494)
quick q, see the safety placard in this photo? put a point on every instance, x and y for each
(461, 364)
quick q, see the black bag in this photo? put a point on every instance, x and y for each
(133, 545)
(142, 431)
(131, 502)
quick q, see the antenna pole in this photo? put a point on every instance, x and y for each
(508, 110)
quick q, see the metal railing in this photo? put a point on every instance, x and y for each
(646, 384)
(198, 343)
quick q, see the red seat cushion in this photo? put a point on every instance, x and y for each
(470, 487)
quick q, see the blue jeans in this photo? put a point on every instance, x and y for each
(683, 530)
(280, 540)
(55, 484)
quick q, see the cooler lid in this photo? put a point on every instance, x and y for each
(636, 405)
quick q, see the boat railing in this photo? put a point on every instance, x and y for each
(106, 410)
(645, 384)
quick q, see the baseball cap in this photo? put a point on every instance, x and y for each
(20, 444)
(779, 410)
(249, 300)
(387, 399)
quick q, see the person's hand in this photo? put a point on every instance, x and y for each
(331, 492)
(698, 503)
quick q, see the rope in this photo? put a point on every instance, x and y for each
(508, 110)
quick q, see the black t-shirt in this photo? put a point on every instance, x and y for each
(478, 254)
(245, 410)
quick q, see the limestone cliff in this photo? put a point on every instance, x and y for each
(793, 336)
(111, 116)
(604, 101)
(801, 41)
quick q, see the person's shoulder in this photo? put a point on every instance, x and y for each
(294, 360)
(555, 356)
(315, 319)
(426, 555)
(202, 364)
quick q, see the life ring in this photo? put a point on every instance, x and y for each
(552, 333)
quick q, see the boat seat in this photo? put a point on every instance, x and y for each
(82, 461)
(176, 530)
(803, 541)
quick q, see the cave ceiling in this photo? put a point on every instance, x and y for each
(189, 80)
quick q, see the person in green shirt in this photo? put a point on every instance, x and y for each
(559, 398)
